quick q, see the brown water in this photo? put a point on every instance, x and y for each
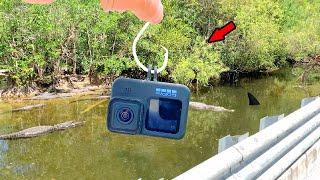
(92, 152)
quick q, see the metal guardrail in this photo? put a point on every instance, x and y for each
(228, 141)
(289, 158)
(257, 167)
(236, 158)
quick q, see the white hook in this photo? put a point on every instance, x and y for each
(134, 52)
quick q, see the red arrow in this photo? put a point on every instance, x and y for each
(219, 33)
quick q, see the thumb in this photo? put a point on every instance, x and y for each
(39, 1)
(146, 10)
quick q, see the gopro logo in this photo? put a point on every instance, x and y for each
(166, 92)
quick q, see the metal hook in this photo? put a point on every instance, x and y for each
(134, 52)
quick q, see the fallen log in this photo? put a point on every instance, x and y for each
(49, 96)
(28, 108)
(25, 108)
(203, 106)
(41, 130)
(91, 98)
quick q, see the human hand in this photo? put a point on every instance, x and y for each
(146, 10)
(39, 1)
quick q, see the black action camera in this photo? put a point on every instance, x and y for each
(149, 108)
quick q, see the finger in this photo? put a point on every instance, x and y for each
(152, 11)
(146, 10)
(39, 1)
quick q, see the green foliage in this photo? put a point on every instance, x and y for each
(115, 66)
(202, 64)
(256, 45)
(301, 28)
(77, 37)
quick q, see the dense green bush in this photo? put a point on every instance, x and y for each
(301, 28)
(201, 64)
(78, 37)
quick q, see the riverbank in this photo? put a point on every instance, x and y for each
(66, 87)
(80, 85)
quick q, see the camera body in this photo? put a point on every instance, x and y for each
(149, 108)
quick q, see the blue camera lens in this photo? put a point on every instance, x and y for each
(125, 115)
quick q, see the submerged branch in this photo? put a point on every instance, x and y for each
(93, 106)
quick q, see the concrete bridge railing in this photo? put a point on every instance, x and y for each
(261, 154)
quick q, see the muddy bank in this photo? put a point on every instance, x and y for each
(66, 86)
(89, 91)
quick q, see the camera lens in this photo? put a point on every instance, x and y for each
(125, 115)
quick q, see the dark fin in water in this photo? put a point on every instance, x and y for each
(252, 100)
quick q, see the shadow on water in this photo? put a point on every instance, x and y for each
(92, 152)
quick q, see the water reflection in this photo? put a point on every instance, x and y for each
(3, 149)
(5, 110)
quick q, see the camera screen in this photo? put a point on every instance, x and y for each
(164, 115)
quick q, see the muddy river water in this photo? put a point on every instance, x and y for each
(92, 152)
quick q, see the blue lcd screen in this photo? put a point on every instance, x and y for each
(164, 115)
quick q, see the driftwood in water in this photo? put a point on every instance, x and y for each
(40, 130)
(91, 98)
(28, 108)
(48, 96)
(25, 108)
(202, 106)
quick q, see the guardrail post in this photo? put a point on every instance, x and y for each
(308, 100)
(269, 120)
(228, 141)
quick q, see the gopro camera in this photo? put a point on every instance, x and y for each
(149, 108)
